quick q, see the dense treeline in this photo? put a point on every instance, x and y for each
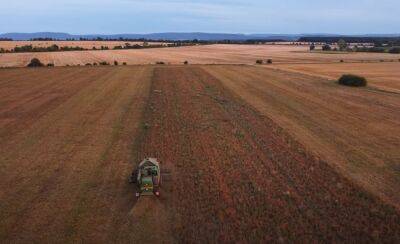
(395, 41)
(5, 39)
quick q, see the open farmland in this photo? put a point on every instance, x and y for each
(355, 130)
(384, 76)
(254, 154)
(9, 45)
(208, 54)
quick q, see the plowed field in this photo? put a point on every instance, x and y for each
(70, 136)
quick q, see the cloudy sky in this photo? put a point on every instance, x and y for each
(224, 16)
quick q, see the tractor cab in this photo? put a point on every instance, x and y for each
(148, 177)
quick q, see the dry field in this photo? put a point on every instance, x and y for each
(256, 155)
(210, 54)
(9, 45)
(384, 76)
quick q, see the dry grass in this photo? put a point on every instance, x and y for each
(210, 54)
(385, 76)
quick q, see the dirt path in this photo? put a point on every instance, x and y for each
(237, 176)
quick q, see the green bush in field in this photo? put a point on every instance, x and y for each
(352, 80)
(35, 62)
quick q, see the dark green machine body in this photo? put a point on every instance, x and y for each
(147, 177)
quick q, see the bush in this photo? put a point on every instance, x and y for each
(160, 62)
(116, 63)
(104, 63)
(94, 64)
(50, 65)
(35, 63)
(88, 64)
(342, 61)
(326, 47)
(124, 63)
(259, 61)
(394, 50)
(352, 80)
(186, 62)
(269, 61)
(312, 47)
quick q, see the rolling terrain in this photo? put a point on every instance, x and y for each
(255, 155)
(208, 54)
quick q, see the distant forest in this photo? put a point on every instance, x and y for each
(394, 41)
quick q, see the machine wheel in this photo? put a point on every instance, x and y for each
(133, 178)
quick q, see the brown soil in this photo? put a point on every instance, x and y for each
(238, 176)
(355, 130)
(71, 136)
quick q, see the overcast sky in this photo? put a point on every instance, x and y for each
(224, 16)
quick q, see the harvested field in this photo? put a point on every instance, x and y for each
(66, 138)
(355, 130)
(71, 136)
(210, 54)
(9, 45)
(384, 76)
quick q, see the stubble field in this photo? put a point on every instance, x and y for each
(255, 154)
(208, 54)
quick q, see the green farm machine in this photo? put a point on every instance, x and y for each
(147, 176)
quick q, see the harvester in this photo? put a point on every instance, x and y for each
(147, 176)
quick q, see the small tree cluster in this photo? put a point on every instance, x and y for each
(326, 47)
(35, 62)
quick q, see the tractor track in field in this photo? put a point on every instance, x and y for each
(238, 176)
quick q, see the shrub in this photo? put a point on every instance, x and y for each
(269, 61)
(352, 80)
(160, 62)
(326, 47)
(259, 61)
(312, 47)
(394, 50)
(342, 61)
(124, 63)
(186, 62)
(50, 65)
(35, 63)
(342, 45)
(94, 64)
(104, 63)
(88, 64)
(116, 63)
